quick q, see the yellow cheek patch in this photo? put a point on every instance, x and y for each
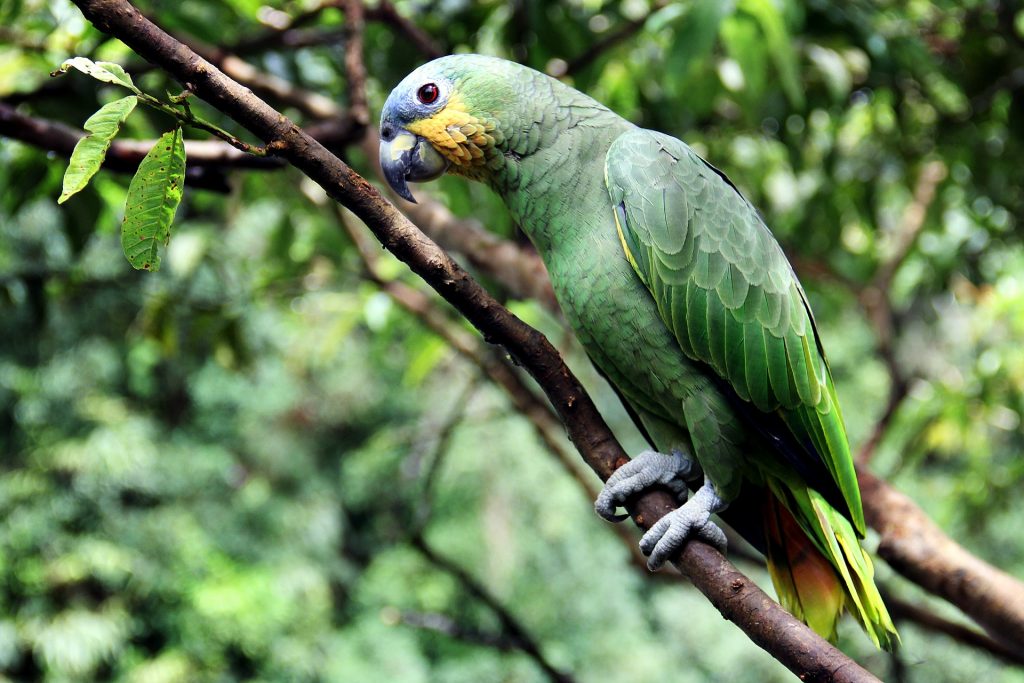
(462, 138)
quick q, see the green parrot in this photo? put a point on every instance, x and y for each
(683, 299)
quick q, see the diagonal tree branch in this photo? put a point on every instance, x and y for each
(915, 547)
(735, 596)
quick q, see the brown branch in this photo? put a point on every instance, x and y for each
(386, 13)
(915, 547)
(932, 173)
(562, 69)
(509, 623)
(294, 36)
(267, 85)
(445, 625)
(355, 70)
(735, 596)
(901, 610)
(876, 300)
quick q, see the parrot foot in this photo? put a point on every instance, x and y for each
(641, 473)
(670, 532)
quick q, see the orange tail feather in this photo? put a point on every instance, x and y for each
(807, 585)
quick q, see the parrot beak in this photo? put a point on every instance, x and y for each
(405, 157)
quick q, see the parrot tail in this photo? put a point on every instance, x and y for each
(818, 566)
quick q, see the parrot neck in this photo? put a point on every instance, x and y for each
(552, 192)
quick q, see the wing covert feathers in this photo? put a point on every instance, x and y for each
(726, 291)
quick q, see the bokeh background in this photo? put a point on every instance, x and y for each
(255, 465)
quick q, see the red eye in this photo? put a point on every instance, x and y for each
(428, 93)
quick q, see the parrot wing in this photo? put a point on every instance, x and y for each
(725, 289)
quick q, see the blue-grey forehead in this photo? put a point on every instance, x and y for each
(402, 104)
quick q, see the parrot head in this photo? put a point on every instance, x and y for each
(447, 115)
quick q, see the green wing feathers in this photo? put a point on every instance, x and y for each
(727, 292)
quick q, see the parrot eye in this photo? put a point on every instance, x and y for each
(427, 94)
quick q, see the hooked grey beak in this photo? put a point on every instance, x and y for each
(405, 157)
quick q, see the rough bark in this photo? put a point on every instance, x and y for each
(917, 548)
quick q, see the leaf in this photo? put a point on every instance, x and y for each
(696, 37)
(108, 72)
(90, 151)
(779, 44)
(153, 197)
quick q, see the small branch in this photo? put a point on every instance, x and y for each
(915, 547)
(386, 13)
(267, 85)
(563, 69)
(206, 158)
(445, 625)
(510, 626)
(876, 300)
(355, 70)
(124, 155)
(901, 610)
(932, 173)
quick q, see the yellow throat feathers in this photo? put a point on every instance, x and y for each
(461, 137)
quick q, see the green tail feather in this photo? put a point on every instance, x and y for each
(801, 589)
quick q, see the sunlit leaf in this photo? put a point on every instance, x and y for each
(153, 197)
(108, 72)
(90, 151)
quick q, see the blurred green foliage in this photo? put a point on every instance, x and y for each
(216, 472)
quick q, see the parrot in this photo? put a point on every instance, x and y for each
(684, 301)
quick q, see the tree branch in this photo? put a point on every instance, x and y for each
(736, 597)
(915, 547)
(904, 611)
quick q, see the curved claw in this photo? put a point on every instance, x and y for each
(669, 533)
(641, 473)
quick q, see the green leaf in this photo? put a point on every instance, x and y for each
(153, 197)
(698, 32)
(90, 151)
(108, 72)
(780, 46)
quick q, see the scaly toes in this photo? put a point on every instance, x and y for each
(641, 473)
(670, 532)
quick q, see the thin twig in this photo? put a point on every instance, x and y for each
(446, 625)
(509, 623)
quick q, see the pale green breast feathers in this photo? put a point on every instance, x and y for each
(726, 291)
